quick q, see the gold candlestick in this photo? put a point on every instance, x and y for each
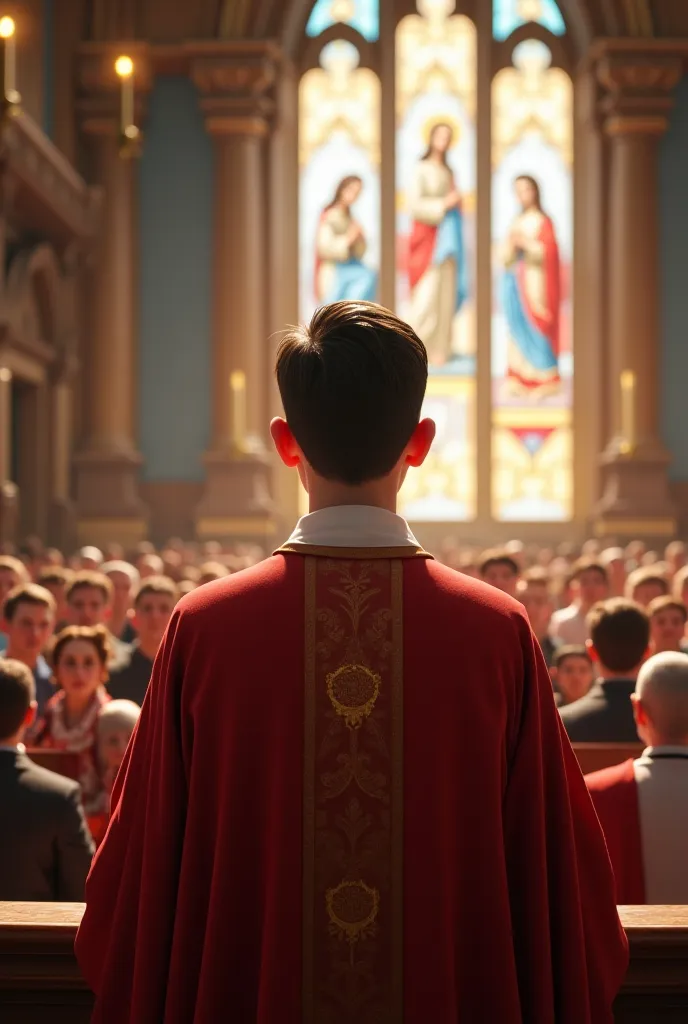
(628, 439)
(237, 384)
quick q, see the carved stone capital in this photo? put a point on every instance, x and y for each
(236, 90)
(637, 92)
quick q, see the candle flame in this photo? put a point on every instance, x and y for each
(237, 380)
(7, 27)
(124, 66)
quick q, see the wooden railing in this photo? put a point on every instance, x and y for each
(40, 981)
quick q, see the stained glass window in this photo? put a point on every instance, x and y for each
(436, 231)
(532, 235)
(361, 15)
(508, 15)
(339, 158)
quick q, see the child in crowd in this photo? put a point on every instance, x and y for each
(116, 723)
(667, 624)
(572, 673)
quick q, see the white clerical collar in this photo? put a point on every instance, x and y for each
(353, 526)
(665, 751)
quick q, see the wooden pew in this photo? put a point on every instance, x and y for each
(40, 981)
(63, 762)
(592, 757)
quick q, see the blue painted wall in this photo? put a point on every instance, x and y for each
(673, 200)
(175, 256)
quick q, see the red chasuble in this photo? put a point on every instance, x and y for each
(614, 793)
(349, 800)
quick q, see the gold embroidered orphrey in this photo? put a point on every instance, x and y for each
(353, 794)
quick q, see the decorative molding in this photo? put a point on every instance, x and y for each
(637, 95)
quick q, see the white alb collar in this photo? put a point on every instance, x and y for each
(353, 526)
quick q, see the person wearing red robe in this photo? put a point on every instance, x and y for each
(642, 804)
(349, 797)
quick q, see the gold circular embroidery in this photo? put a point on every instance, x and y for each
(352, 909)
(353, 690)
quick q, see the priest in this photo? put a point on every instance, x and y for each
(349, 797)
(642, 804)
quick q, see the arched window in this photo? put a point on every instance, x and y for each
(436, 175)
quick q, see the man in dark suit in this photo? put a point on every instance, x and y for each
(46, 849)
(619, 641)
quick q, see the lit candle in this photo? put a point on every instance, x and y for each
(237, 384)
(124, 66)
(628, 410)
(9, 62)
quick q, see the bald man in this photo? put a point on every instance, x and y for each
(643, 804)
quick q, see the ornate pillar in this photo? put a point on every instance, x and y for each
(635, 107)
(107, 466)
(235, 82)
(9, 494)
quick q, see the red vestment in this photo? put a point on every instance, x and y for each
(349, 798)
(614, 793)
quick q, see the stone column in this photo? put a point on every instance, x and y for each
(635, 108)
(235, 83)
(107, 466)
(9, 495)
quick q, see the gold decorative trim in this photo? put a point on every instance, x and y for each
(636, 124)
(352, 553)
(661, 527)
(308, 989)
(222, 526)
(397, 705)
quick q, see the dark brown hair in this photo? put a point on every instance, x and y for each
(661, 604)
(534, 185)
(428, 151)
(17, 690)
(344, 183)
(352, 384)
(27, 593)
(55, 574)
(95, 580)
(96, 635)
(497, 556)
(157, 585)
(620, 633)
(570, 651)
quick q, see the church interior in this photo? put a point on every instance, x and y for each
(180, 182)
(174, 175)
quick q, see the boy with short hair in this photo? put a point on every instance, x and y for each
(56, 579)
(572, 673)
(645, 584)
(501, 570)
(668, 619)
(351, 749)
(153, 607)
(589, 584)
(13, 573)
(28, 620)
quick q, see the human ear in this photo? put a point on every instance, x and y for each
(421, 441)
(285, 442)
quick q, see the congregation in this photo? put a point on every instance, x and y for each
(79, 636)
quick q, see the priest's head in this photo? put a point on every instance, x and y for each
(352, 384)
(660, 701)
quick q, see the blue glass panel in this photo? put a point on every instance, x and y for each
(508, 15)
(361, 15)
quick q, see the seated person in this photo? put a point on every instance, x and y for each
(56, 579)
(589, 584)
(80, 657)
(116, 723)
(667, 624)
(533, 593)
(45, 851)
(620, 635)
(643, 804)
(153, 607)
(645, 584)
(572, 673)
(500, 569)
(28, 619)
(12, 574)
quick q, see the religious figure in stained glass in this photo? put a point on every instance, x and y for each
(341, 245)
(438, 271)
(531, 296)
(339, 179)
